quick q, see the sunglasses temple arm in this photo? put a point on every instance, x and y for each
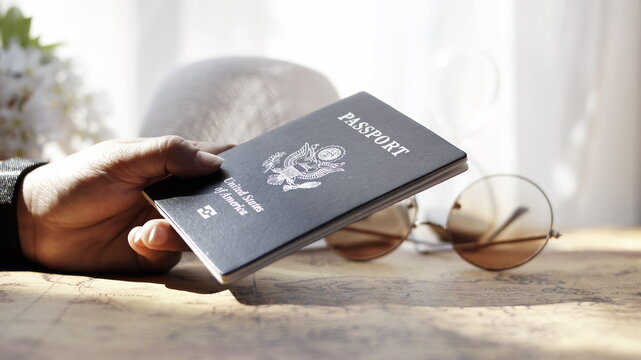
(428, 247)
(517, 213)
(476, 245)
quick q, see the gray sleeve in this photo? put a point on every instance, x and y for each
(12, 171)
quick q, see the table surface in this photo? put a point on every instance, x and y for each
(580, 298)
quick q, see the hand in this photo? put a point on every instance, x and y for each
(86, 213)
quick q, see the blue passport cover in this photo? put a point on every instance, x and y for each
(297, 183)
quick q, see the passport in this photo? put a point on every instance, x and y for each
(302, 181)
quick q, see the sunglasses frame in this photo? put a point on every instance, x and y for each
(445, 236)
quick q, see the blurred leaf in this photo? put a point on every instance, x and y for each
(14, 25)
(50, 47)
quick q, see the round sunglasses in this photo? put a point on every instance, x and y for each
(498, 222)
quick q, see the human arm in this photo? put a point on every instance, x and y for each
(85, 213)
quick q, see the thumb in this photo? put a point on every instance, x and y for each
(154, 158)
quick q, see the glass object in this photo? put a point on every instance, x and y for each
(460, 83)
(377, 234)
(496, 223)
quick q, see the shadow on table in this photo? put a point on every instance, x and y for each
(189, 275)
(554, 278)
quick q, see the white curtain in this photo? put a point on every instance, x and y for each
(578, 106)
(567, 113)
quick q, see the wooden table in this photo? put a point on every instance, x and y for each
(581, 298)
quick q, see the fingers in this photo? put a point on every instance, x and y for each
(211, 147)
(157, 235)
(158, 243)
(153, 158)
(206, 146)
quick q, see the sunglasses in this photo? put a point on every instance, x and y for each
(498, 222)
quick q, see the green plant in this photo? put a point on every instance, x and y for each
(14, 25)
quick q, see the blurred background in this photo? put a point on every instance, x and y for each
(546, 89)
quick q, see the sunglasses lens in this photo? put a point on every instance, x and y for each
(500, 222)
(377, 234)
